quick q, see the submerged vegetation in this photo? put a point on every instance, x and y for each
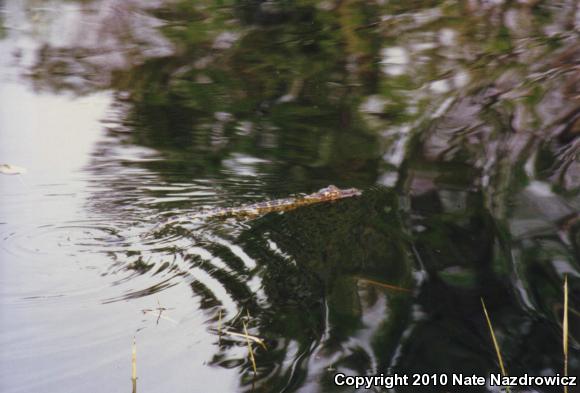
(460, 121)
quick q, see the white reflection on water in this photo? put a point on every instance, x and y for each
(395, 61)
(54, 273)
(55, 331)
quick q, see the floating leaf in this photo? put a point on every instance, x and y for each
(8, 169)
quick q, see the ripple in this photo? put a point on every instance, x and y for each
(56, 239)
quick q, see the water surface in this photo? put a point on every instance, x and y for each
(459, 121)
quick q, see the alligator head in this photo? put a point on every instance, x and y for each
(331, 193)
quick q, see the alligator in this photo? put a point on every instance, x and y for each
(330, 193)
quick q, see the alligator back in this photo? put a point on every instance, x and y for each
(326, 194)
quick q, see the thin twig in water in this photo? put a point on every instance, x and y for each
(495, 343)
(159, 309)
(255, 339)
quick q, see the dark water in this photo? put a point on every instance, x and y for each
(458, 120)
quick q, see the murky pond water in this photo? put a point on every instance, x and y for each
(459, 121)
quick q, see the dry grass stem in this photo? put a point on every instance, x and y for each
(565, 330)
(257, 340)
(220, 327)
(134, 365)
(495, 343)
(383, 285)
(250, 348)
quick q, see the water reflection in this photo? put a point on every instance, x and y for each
(459, 120)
